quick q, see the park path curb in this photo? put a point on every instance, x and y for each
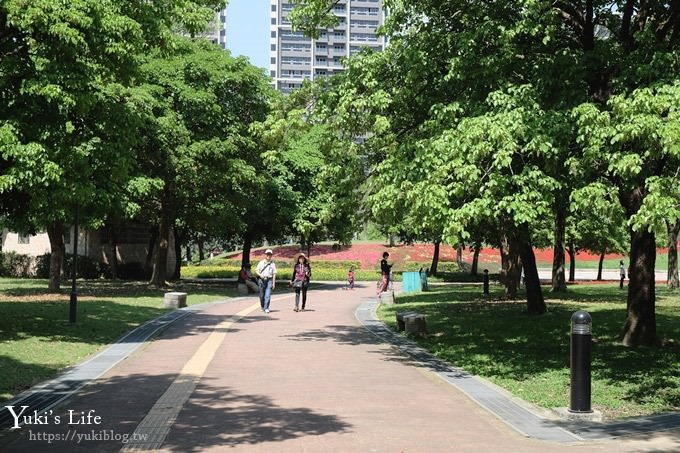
(49, 394)
(515, 413)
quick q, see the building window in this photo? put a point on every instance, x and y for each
(272, 73)
(273, 60)
(67, 237)
(273, 20)
(274, 34)
(24, 239)
(273, 47)
(273, 7)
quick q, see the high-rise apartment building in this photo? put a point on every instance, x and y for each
(216, 31)
(294, 57)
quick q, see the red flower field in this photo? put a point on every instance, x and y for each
(369, 254)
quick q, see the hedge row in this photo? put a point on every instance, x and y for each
(16, 265)
(407, 266)
(318, 273)
(282, 263)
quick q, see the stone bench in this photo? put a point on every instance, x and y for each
(175, 300)
(401, 325)
(412, 322)
(242, 288)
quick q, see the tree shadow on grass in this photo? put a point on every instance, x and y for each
(498, 339)
(16, 376)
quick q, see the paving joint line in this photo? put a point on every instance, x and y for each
(155, 427)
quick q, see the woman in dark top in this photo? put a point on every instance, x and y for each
(385, 269)
(300, 280)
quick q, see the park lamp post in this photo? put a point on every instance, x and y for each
(73, 304)
(580, 359)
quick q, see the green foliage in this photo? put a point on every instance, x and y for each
(316, 170)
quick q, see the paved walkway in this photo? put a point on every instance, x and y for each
(227, 377)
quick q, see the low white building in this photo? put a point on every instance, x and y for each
(132, 245)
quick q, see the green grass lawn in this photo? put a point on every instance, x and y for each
(529, 355)
(37, 341)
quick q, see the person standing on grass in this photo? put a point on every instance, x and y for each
(266, 274)
(300, 280)
(622, 272)
(385, 271)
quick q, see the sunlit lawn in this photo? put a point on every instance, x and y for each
(529, 355)
(37, 340)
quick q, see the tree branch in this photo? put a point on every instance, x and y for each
(571, 15)
(672, 23)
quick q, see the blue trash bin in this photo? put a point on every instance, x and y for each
(411, 282)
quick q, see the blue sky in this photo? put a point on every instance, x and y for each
(248, 30)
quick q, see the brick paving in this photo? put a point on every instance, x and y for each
(313, 381)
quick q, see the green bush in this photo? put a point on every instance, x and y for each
(42, 265)
(14, 264)
(87, 267)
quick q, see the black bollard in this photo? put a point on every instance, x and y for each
(486, 282)
(581, 336)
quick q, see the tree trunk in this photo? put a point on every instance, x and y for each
(189, 252)
(160, 268)
(535, 302)
(459, 256)
(179, 239)
(55, 232)
(572, 262)
(673, 234)
(510, 271)
(435, 257)
(475, 258)
(559, 285)
(599, 266)
(201, 250)
(153, 237)
(247, 247)
(113, 252)
(640, 326)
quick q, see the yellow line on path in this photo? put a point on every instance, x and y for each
(154, 428)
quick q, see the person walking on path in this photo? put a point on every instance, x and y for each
(300, 280)
(385, 271)
(266, 274)
(622, 271)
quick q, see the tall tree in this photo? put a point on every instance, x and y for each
(66, 70)
(195, 161)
